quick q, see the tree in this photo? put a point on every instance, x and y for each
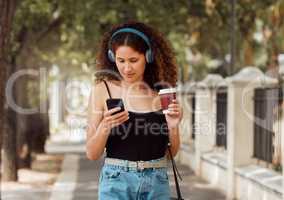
(7, 11)
(67, 33)
(40, 21)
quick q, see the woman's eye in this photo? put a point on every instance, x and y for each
(133, 61)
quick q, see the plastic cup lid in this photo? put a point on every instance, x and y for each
(168, 90)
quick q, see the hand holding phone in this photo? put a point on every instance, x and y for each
(115, 102)
(115, 116)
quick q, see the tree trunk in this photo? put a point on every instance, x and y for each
(7, 11)
(39, 133)
(9, 147)
(248, 51)
(3, 68)
(10, 165)
(23, 145)
(23, 127)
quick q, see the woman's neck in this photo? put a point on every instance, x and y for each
(136, 86)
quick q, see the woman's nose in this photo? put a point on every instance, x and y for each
(127, 67)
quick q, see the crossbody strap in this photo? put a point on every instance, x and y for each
(176, 172)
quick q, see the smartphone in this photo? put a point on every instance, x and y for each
(115, 102)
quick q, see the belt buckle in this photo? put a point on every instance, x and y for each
(140, 165)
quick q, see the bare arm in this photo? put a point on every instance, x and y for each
(100, 123)
(174, 140)
(173, 117)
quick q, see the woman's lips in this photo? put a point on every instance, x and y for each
(129, 75)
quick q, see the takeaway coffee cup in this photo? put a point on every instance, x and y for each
(166, 97)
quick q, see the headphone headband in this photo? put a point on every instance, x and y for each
(132, 30)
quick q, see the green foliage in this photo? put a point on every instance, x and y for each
(278, 168)
(201, 26)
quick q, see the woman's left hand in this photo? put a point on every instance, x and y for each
(173, 114)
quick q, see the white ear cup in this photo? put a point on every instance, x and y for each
(111, 56)
(149, 56)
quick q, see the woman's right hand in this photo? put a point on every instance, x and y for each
(109, 121)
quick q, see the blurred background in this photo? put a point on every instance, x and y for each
(47, 60)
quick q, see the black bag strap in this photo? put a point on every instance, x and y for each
(176, 172)
(107, 88)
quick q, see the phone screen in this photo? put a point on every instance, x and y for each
(115, 102)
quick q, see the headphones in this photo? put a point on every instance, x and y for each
(148, 55)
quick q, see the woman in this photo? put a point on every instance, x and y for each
(134, 62)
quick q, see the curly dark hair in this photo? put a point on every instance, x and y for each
(162, 70)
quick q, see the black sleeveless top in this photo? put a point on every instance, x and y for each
(144, 136)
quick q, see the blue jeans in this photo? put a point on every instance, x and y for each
(124, 183)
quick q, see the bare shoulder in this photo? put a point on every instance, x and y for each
(99, 93)
(98, 88)
(114, 82)
(98, 85)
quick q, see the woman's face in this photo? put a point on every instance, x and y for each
(130, 63)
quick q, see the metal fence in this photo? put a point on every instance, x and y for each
(221, 120)
(267, 124)
(193, 116)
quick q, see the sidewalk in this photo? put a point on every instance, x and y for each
(79, 181)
